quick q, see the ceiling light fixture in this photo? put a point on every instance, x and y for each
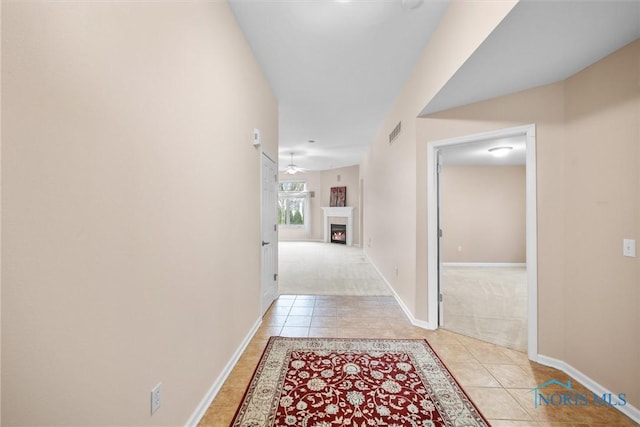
(292, 169)
(500, 151)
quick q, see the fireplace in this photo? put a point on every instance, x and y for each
(346, 216)
(339, 233)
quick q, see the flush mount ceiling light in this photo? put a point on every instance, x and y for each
(500, 151)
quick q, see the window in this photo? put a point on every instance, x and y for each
(292, 203)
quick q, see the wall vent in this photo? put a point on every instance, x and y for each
(395, 132)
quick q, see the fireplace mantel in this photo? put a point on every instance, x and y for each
(340, 212)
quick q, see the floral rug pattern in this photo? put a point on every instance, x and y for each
(326, 382)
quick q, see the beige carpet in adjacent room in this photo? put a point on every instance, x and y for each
(487, 303)
(317, 268)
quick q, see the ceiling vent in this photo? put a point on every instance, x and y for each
(395, 132)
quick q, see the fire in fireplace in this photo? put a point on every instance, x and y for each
(339, 233)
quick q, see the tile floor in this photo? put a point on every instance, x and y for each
(497, 379)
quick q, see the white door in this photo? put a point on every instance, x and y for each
(269, 282)
(440, 278)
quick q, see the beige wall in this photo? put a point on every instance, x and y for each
(122, 122)
(482, 214)
(588, 202)
(545, 107)
(602, 202)
(389, 172)
(321, 182)
(588, 162)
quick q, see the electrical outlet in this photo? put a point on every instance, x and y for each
(155, 398)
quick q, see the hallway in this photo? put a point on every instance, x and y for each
(497, 379)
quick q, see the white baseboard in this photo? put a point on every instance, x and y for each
(485, 264)
(217, 384)
(629, 410)
(415, 322)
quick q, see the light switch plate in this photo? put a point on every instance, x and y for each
(629, 247)
(155, 398)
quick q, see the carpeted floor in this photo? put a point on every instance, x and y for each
(316, 268)
(487, 303)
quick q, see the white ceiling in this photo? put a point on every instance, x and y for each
(336, 66)
(538, 43)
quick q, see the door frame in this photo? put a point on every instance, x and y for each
(529, 131)
(265, 153)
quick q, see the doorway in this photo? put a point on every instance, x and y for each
(480, 143)
(269, 231)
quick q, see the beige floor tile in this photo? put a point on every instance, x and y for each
(354, 311)
(497, 379)
(490, 355)
(513, 376)
(274, 320)
(294, 331)
(392, 311)
(279, 310)
(409, 332)
(324, 322)
(513, 423)
(497, 403)
(472, 374)
(382, 333)
(355, 333)
(587, 414)
(283, 301)
(328, 298)
(268, 331)
(453, 354)
(304, 303)
(298, 321)
(325, 311)
(353, 322)
(517, 356)
(322, 332)
(301, 311)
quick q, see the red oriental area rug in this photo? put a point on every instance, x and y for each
(328, 382)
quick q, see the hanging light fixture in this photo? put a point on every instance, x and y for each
(292, 169)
